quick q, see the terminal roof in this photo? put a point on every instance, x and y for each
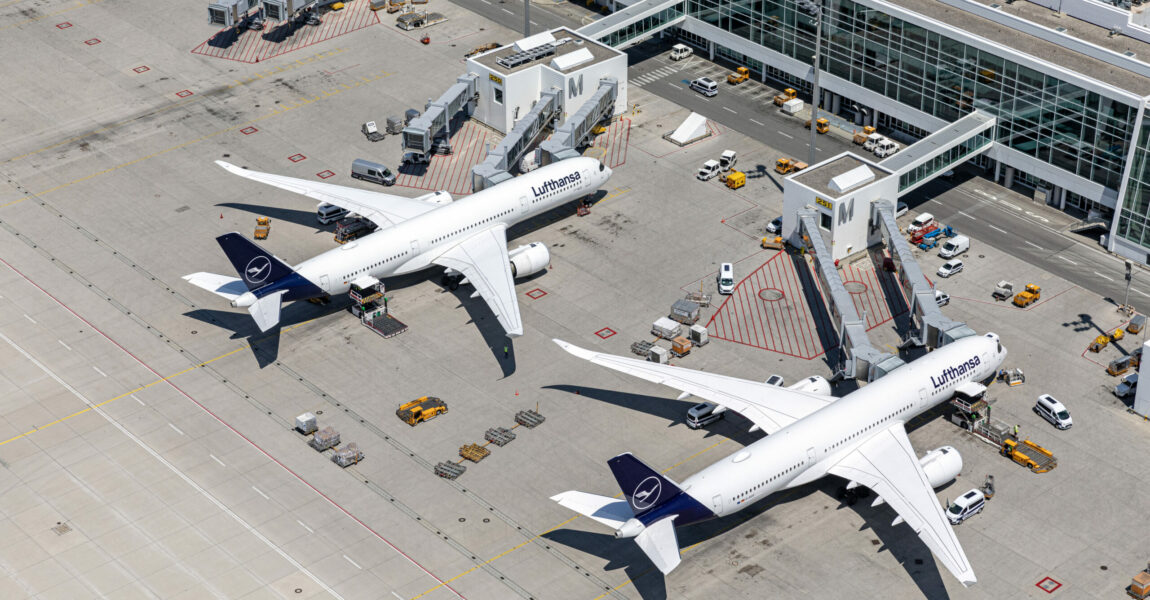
(818, 177)
(575, 43)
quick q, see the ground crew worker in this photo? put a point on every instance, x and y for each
(505, 352)
(1016, 433)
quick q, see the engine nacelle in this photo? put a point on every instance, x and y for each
(440, 197)
(941, 465)
(529, 259)
(813, 385)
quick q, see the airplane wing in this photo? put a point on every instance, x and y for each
(482, 259)
(384, 210)
(769, 407)
(887, 464)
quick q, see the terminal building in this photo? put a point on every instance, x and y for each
(1066, 92)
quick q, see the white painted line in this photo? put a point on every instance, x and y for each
(967, 216)
(29, 318)
(352, 562)
(138, 400)
(217, 460)
(192, 484)
(99, 371)
(1067, 260)
(534, 23)
(486, 2)
(64, 345)
(1140, 292)
(998, 229)
(507, 11)
(757, 123)
(302, 524)
(397, 595)
(674, 85)
(177, 429)
(1103, 276)
(787, 135)
(260, 493)
(1033, 244)
(730, 111)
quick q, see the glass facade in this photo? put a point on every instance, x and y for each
(641, 27)
(1136, 206)
(943, 161)
(1059, 123)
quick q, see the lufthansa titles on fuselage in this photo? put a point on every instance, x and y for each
(553, 184)
(949, 374)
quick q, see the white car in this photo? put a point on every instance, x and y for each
(775, 225)
(950, 267)
(941, 297)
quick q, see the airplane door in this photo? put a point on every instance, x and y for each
(717, 501)
(922, 397)
(415, 247)
(523, 205)
(323, 283)
(811, 455)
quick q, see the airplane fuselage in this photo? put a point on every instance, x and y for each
(413, 244)
(803, 451)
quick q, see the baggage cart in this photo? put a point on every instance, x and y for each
(348, 456)
(474, 452)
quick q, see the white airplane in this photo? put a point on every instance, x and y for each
(860, 437)
(468, 236)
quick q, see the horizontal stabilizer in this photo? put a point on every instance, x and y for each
(266, 310)
(608, 511)
(659, 543)
(228, 288)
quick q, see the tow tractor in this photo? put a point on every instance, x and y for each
(1030, 455)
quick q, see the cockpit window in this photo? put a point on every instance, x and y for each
(601, 167)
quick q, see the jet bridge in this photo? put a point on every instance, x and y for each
(495, 168)
(931, 327)
(577, 129)
(434, 125)
(859, 358)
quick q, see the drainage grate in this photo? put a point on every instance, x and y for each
(62, 528)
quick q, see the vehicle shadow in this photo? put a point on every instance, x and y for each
(299, 217)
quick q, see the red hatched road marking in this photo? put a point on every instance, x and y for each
(605, 333)
(1048, 585)
(297, 157)
(536, 294)
(248, 130)
(324, 174)
(184, 93)
(92, 42)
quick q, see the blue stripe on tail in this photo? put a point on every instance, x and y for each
(262, 272)
(652, 496)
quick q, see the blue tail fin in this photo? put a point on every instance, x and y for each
(644, 488)
(256, 266)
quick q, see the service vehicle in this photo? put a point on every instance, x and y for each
(1127, 386)
(954, 246)
(920, 222)
(703, 414)
(740, 75)
(1054, 411)
(775, 380)
(708, 171)
(966, 506)
(823, 125)
(326, 213)
(1003, 290)
(950, 267)
(352, 227)
(726, 278)
(727, 160)
(786, 166)
(861, 136)
(420, 410)
(885, 148)
(775, 226)
(681, 51)
(900, 209)
(1028, 454)
(734, 179)
(419, 20)
(705, 86)
(1028, 296)
(872, 140)
(941, 298)
(787, 95)
(372, 171)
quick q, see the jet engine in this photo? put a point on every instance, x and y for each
(941, 465)
(813, 385)
(440, 197)
(529, 259)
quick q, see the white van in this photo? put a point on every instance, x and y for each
(885, 148)
(681, 51)
(954, 246)
(966, 506)
(328, 213)
(702, 414)
(1054, 411)
(920, 222)
(726, 278)
(705, 86)
(371, 171)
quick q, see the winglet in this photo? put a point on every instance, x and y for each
(575, 350)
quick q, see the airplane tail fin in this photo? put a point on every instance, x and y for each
(257, 267)
(644, 488)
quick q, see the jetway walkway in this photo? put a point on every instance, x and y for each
(931, 327)
(858, 357)
(944, 149)
(576, 130)
(629, 26)
(495, 168)
(433, 126)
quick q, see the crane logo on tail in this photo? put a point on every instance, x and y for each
(646, 494)
(257, 269)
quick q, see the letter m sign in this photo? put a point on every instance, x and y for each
(575, 86)
(846, 211)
